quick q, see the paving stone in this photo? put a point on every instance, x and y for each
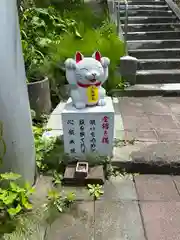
(175, 107)
(159, 154)
(118, 220)
(75, 225)
(42, 186)
(120, 188)
(133, 122)
(80, 192)
(161, 220)
(176, 180)
(156, 187)
(35, 227)
(123, 153)
(168, 135)
(156, 106)
(163, 121)
(148, 157)
(125, 135)
(137, 135)
(131, 111)
(129, 107)
(170, 100)
(146, 136)
(177, 117)
(150, 120)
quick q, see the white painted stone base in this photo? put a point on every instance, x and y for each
(89, 130)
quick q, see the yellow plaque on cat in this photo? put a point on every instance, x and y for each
(92, 94)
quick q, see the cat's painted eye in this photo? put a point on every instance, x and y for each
(84, 69)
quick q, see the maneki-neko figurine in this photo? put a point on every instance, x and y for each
(88, 75)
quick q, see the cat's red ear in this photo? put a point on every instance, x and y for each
(97, 56)
(79, 57)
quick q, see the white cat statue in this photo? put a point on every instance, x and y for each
(87, 74)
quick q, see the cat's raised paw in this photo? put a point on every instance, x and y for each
(105, 62)
(70, 63)
(80, 105)
(102, 102)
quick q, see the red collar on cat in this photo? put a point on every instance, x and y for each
(88, 85)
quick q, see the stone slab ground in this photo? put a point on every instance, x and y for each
(142, 207)
(154, 126)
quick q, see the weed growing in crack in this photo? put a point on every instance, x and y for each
(57, 178)
(56, 204)
(95, 191)
(123, 142)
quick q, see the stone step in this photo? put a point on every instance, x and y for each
(145, 7)
(139, 2)
(152, 27)
(149, 19)
(153, 2)
(147, 90)
(146, 13)
(155, 53)
(153, 35)
(150, 44)
(158, 76)
(150, 64)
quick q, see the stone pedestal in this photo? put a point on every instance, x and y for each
(89, 130)
(128, 68)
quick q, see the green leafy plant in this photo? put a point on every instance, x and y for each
(95, 191)
(55, 199)
(28, 225)
(66, 5)
(69, 198)
(43, 146)
(124, 142)
(49, 149)
(14, 199)
(60, 202)
(85, 14)
(57, 178)
(57, 203)
(23, 5)
(39, 28)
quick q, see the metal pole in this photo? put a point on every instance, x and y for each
(126, 26)
(118, 17)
